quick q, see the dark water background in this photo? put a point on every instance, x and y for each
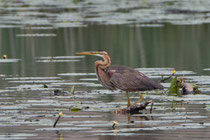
(181, 47)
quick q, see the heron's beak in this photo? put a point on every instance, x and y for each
(88, 53)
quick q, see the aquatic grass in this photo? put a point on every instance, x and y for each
(174, 88)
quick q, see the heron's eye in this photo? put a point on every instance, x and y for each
(105, 70)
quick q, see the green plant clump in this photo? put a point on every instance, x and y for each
(174, 88)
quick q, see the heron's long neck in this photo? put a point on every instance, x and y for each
(103, 64)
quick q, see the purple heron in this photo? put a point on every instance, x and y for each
(120, 77)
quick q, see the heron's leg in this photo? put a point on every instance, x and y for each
(141, 98)
(129, 102)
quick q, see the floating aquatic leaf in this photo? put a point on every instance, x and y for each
(78, 83)
(36, 35)
(32, 78)
(60, 57)
(118, 134)
(194, 124)
(41, 101)
(70, 24)
(14, 107)
(17, 136)
(101, 124)
(163, 71)
(147, 25)
(84, 116)
(123, 130)
(26, 87)
(6, 118)
(37, 28)
(160, 122)
(155, 69)
(10, 26)
(34, 87)
(207, 69)
(5, 91)
(9, 60)
(65, 129)
(185, 117)
(196, 77)
(89, 79)
(75, 109)
(76, 74)
(36, 81)
(9, 124)
(53, 61)
(77, 97)
(206, 124)
(166, 114)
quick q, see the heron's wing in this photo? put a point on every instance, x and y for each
(132, 80)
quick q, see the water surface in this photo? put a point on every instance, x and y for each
(40, 39)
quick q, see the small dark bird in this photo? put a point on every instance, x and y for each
(120, 77)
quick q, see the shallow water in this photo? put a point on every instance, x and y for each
(40, 39)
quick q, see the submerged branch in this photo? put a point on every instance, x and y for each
(134, 109)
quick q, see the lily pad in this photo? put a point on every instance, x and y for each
(9, 60)
(54, 61)
(76, 74)
(36, 35)
(65, 129)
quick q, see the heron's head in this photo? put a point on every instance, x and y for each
(95, 53)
